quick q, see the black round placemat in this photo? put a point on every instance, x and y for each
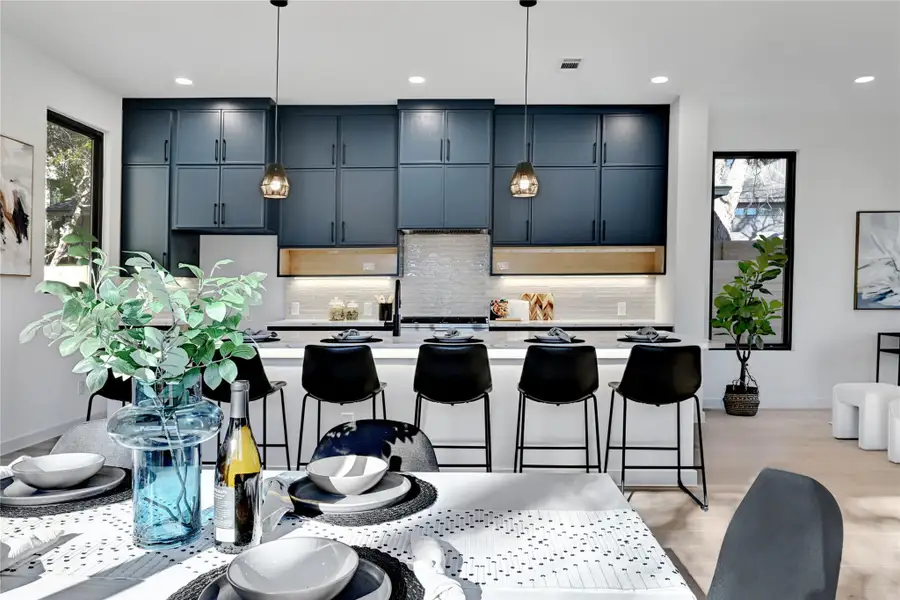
(434, 340)
(118, 494)
(419, 497)
(537, 341)
(404, 585)
(373, 340)
(666, 340)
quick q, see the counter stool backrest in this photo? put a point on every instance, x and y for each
(661, 375)
(402, 445)
(452, 373)
(339, 373)
(249, 369)
(559, 374)
(92, 437)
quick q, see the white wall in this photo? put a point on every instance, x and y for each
(38, 395)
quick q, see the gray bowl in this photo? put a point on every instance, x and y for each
(58, 471)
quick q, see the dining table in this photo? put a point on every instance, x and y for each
(521, 536)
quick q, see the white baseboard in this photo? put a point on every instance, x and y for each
(23, 441)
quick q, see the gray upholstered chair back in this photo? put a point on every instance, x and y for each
(402, 445)
(92, 437)
(784, 541)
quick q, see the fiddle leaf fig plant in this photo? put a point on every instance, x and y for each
(109, 320)
(742, 307)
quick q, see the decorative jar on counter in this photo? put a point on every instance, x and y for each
(336, 310)
(351, 312)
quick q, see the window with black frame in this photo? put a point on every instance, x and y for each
(753, 199)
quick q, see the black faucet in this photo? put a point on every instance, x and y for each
(396, 324)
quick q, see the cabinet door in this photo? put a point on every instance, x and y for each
(633, 207)
(468, 137)
(147, 137)
(198, 139)
(565, 140)
(368, 212)
(421, 136)
(308, 213)
(634, 140)
(145, 211)
(196, 197)
(308, 141)
(467, 197)
(241, 204)
(421, 197)
(369, 141)
(512, 216)
(565, 208)
(244, 137)
(510, 144)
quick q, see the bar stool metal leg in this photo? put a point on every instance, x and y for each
(704, 504)
(587, 440)
(287, 450)
(383, 406)
(522, 442)
(265, 435)
(374, 406)
(418, 420)
(624, 442)
(518, 428)
(487, 431)
(597, 434)
(302, 421)
(612, 406)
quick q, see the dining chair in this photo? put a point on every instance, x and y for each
(455, 374)
(114, 388)
(784, 541)
(91, 436)
(405, 447)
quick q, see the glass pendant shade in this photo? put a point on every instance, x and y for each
(524, 183)
(275, 182)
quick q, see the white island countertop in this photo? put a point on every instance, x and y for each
(370, 324)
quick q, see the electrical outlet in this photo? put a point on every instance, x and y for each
(502, 266)
(348, 416)
(82, 388)
(295, 309)
(622, 309)
(368, 266)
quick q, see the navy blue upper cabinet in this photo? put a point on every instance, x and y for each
(510, 139)
(147, 137)
(421, 202)
(198, 137)
(244, 137)
(565, 208)
(308, 141)
(565, 140)
(197, 193)
(369, 141)
(467, 197)
(468, 137)
(634, 140)
(421, 136)
(512, 216)
(308, 213)
(633, 206)
(145, 211)
(241, 205)
(368, 207)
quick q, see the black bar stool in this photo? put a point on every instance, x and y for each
(455, 374)
(558, 375)
(252, 370)
(338, 375)
(660, 376)
(114, 389)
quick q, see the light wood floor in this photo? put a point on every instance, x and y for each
(865, 484)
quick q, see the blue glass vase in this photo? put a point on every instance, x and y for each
(164, 427)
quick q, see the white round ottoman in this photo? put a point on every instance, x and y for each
(860, 410)
(894, 431)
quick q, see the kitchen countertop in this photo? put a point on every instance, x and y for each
(574, 324)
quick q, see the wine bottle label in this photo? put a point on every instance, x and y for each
(224, 519)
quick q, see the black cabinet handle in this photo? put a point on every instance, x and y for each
(594, 154)
(528, 155)
(224, 149)
(343, 231)
(448, 149)
(527, 230)
(215, 214)
(344, 154)
(217, 150)
(165, 263)
(603, 231)
(593, 230)
(604, 153)
(166, 151)
(332, 153)
(222, 209)
(442, 149)
(332, 232)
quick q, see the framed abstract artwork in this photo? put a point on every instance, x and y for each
(16, 202)
(877, 278)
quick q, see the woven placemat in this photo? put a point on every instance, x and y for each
(537, 341)
(373, 340)
(665, 340)
(419, 497)
(120, 493)
(404, 585)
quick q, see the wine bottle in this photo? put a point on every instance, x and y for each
(238, 491)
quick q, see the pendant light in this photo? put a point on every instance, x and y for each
(275, 183)
(524, 183)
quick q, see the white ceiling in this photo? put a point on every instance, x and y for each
(344, 52)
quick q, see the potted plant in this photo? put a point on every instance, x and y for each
(112, 321)
(743, 311)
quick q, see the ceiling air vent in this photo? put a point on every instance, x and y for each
(569, 63)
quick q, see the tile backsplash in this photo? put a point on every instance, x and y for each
(449, 275)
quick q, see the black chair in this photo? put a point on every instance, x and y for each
(253, 371)
(403, 446)
(114, 389)
(558, 375)
(338, 375)
(455, 374)
(784, 541)
(660, 376)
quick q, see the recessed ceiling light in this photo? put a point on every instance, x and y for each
(416, 79)
(659, 79)
(183, 81)
(864, 79)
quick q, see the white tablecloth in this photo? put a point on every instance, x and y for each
(522, 536)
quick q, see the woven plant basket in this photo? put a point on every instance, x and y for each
(741, 402)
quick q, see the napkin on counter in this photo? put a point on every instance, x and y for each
(453, 332)
(7, 470)
(342, 335)
(651, 333)
(258, 335)
(15, 550)
(428, 566)
(559, 333)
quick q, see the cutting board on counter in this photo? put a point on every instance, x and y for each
(540, 306)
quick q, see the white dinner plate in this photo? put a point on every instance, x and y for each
(646, 338)
(370, 582)
(354, 338)
(390, 490)
(17, 493)
(455, 338)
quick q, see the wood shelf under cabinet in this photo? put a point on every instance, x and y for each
(328, 262)
(578, 260)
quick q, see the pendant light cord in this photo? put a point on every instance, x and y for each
(277, 75)
(525, 128)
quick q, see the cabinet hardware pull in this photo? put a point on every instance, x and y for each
(593, 230)
(604, 153)
(603, 231)
(594, 154)
(332, 232)
(343, 231)
(448, 149)
(332, 154)
(224, 149)
(164, 262)
(222, 210)
(527, 230)
(166, 151)
(217, 150)
(528, 156)
(344, 154)
(442, 149)
(216, 214)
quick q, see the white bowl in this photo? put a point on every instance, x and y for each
(297, 568)
(58, 471)
(347, 475)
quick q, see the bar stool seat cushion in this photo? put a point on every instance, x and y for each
(860, 411)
